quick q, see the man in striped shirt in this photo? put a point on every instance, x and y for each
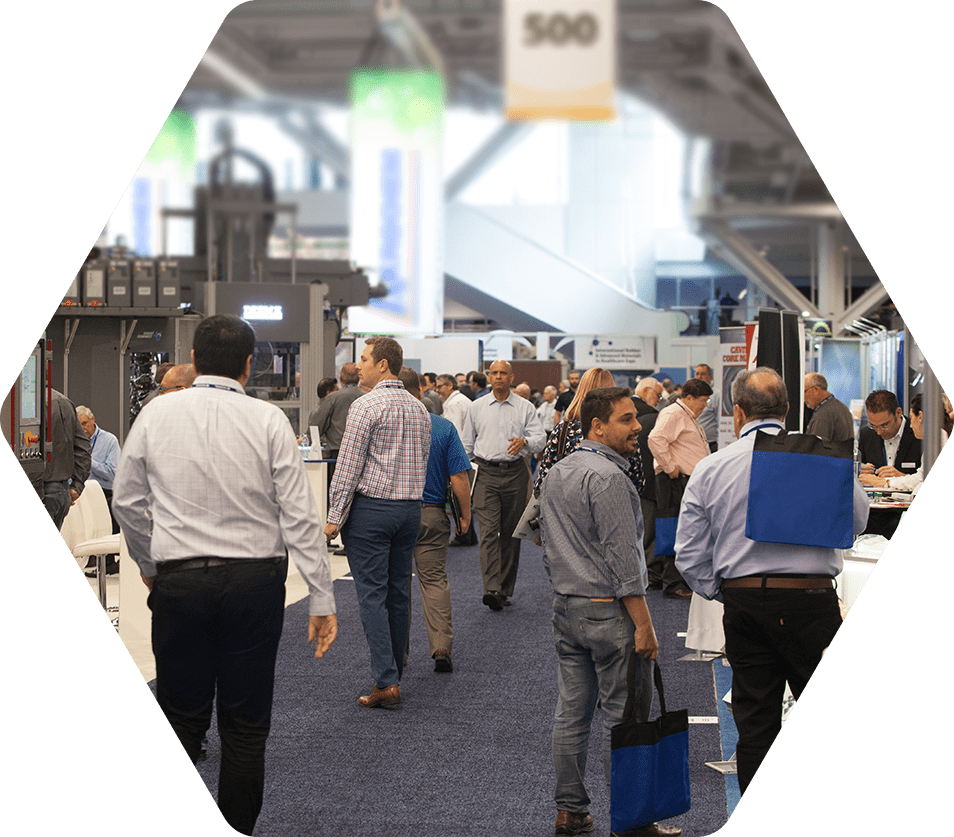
(375, 501)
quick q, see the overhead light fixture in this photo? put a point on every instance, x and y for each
(229, 73)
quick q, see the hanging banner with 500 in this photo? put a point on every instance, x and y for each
(560, 59)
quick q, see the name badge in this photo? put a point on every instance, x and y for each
(909, 464)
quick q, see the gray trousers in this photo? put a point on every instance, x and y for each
(500, 497)
(430, 559)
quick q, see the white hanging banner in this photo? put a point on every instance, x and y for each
(397, 199)
(560, 59)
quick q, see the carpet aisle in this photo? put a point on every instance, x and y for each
(469, 752)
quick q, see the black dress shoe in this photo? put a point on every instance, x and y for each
(651, 830)
(442, 661)
(568, 825)
(654, 585)
(493, 600)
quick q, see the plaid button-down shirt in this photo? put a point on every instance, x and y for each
(384, 449)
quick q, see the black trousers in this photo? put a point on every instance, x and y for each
(215, 633)
(771, 636)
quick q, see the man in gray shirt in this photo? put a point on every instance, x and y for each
(332, 414)
(831, 420)
(68, 469)
(592, 531)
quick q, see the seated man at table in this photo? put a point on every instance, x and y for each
(888, 448)
(906, 482)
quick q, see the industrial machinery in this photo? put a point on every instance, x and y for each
(25, 413)
(125, 314)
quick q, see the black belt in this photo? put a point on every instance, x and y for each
(207, 561)
(789, 582)
(501, 464)
(433, 505)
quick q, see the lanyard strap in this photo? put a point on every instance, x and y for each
(695, 421)
(217, 386)
(759, 428)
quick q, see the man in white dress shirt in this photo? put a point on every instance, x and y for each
(500, 430)
(212, 495)
(456, 404)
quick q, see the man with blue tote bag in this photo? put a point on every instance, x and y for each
(760, 528)
(592, 529)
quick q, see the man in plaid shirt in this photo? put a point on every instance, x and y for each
(375, 501)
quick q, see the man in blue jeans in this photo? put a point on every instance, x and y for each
(592, 529)
(375, 500)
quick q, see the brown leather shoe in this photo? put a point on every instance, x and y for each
(572, 824)
(386, 698)
(680, 593)
(651, 830)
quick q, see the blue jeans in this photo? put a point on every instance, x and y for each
(593, 642)
(379, 537)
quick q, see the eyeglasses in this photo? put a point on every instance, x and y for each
(884, 426)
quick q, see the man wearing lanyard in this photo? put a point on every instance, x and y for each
(212, 495)
(499, 430)
(831, 420)
(781, 609)
(592, 530)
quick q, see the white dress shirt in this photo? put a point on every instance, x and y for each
(456, 409)
(891, 445)
(208, 471)
(491, 423)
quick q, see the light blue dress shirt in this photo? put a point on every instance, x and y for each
(105, 455)
(490, 423)
(711, 545)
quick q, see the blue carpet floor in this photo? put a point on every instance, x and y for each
(469, 752)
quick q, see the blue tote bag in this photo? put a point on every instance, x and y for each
(800, 491)
(669, 494)
(649, 778)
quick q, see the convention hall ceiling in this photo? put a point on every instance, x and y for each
(682, 57)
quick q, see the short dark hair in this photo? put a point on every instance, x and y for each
(704, 366)
(881, 401)
(431, 377)
(326, 385)
(914, 410)
(222, 344)
(387, 348)
(450, 380)
(767, 401)
(696, 388)
(480, 379)
(411, 380)
(598, 403)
